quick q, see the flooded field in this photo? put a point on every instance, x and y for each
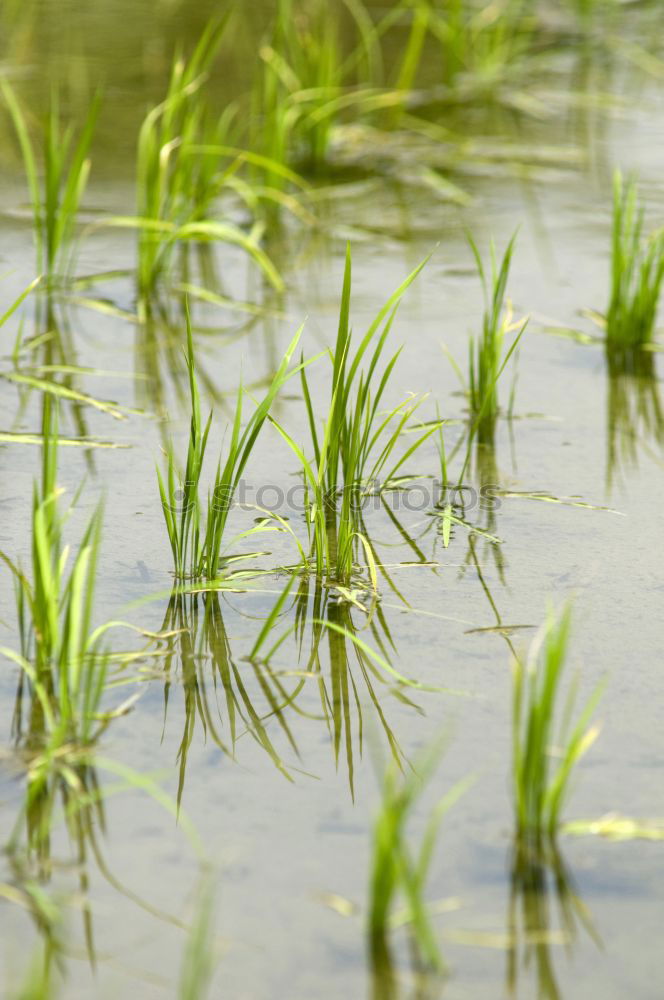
(332, 439)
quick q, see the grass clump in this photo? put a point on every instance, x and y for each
(637, 271)
(196, 547)
(543, 759)
(486, 357)
(55, 608)
(310, 79)
(184, 162)
(354, 453)
(59, 715)
(397, 872)
(61, 660)
(479, 43)
(55, 195)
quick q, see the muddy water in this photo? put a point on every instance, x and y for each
(280, 841)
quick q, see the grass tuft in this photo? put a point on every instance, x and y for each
(355, 450)
(319, 64)
(487, 357)
(61, 658)
(56, 194)
(197, 550)
(185, 160)
(637, 271)
(543, 760)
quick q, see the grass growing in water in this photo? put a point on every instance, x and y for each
(355, 449)
(394, 870)
(57, 196)
(487, 358)
(181, 169)
(479, 44)
(54, 609)
(637, 271)
(539, 787)
(60, 654)
(310, 79)
(197, 549)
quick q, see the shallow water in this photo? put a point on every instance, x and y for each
(280, 843)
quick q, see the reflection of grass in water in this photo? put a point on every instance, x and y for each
(198, 960)
(354, 671)
(634, 409)
(487, 478)
(202, 654)
(400, 873)
(330, 652)
(160, 341)
(538, 877)
(48, 966)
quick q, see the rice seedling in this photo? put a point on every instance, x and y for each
(60, 656)
(56, 186)
(637, 272)
(309, 80)
(196, 551)
(479, 43)
(9, 312)
(487, 358)
(304, 59)
(355, 450)
(61, 662)
(420, 18)
(63, 668)
(397, 871)
(540, 786)
(185, 159)
(54, 609)
(56, 196)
